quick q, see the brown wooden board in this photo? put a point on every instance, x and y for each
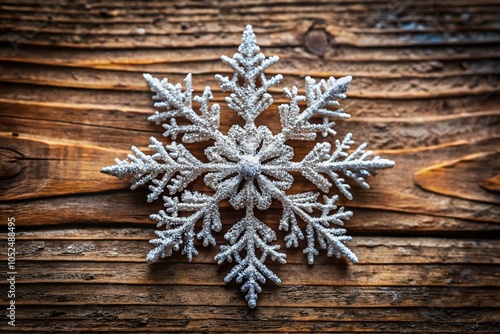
(425, 93)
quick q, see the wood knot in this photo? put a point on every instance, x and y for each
(316, 42)
(9, 163)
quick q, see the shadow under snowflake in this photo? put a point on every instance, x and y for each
(249, 166)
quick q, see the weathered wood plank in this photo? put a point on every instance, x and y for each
(30, 98)
(371, 86)
(417, 59)
(262, 326)
(370, 250)
(393, 189)
(322, 320)
(47, 169)
(444, 28)
(198, 61)
(292, 274)
(132, 208)
(437, 298)
(288, 33)
(481, 122)
(112, 129)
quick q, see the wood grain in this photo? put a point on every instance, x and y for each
(453, 178)
(426, 94)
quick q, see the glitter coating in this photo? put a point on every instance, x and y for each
(250, 167)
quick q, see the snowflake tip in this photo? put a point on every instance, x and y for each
(252, 302)
(248, 45)
(107, 170)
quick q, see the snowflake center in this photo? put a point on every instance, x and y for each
(250, 166)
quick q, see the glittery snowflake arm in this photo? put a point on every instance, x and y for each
(248, 235)
(178, 166)
(251, 98)
(180, 229)
(178, 103)
(329, 238)
(302, 206)
(320, 97)
(354, 165)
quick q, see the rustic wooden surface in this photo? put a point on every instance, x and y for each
(425, 94)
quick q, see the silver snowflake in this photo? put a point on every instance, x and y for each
(249, 166)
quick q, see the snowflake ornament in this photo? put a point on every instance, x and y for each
(250, 167)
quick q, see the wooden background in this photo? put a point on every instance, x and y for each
(425, 94)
